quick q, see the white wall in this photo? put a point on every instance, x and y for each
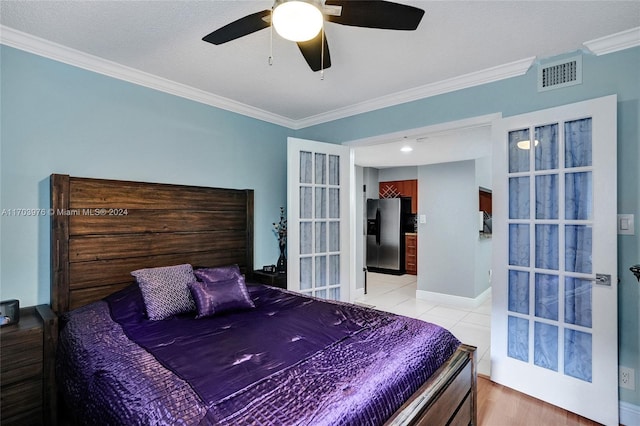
(371, 179)
(398, 173)
(483, 245)
(448, 197)
(482, 266)
(360, 227)
(483, 172)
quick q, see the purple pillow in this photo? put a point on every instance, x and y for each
(215, 297)
(220, 273)
(165, 290)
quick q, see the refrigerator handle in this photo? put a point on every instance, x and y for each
(378, 226)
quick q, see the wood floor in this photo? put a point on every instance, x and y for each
(502, 406)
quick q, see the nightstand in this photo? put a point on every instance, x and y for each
(27, 352)
(274, 279)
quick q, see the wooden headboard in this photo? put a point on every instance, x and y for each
(101, 230)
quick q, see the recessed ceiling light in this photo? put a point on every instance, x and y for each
(406, 148)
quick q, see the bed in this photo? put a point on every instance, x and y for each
(102, 230)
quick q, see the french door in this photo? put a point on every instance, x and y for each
(554, 318)
(319, 219)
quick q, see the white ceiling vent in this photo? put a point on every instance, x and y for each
(555, 75)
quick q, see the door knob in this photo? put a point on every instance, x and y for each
(602, 279)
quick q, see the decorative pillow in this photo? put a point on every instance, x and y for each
(220, 273)
(215, 297)
(165, 290)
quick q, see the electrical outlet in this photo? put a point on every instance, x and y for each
(627, 378)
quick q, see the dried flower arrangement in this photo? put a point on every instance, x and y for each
(280, 228)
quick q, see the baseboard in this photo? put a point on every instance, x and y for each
(449, 299)
(629, 414)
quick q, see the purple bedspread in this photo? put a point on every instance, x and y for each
(291, 360)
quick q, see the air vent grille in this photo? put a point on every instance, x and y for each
(560, 74)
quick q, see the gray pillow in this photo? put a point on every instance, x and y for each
(165, 290)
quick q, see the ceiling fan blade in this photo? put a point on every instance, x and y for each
(239, 28)
(311, 50)
(376, 14)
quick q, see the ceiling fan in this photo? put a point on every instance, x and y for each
(289, 19)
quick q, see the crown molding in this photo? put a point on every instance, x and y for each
(477, 78)
(29, 43)
(60, 53)
(614, 42)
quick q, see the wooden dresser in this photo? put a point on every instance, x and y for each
(411, 253)
(27, 352)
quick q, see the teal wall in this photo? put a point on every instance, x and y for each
(57, 118)
(615, 73)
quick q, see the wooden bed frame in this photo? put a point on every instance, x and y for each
(101, 230)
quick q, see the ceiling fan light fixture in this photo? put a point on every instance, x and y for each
(297, 20)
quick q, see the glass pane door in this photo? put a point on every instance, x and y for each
(319, 218)
(320, 224)
(548, 291)
(553, 324)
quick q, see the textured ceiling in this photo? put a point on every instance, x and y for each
(455, 38)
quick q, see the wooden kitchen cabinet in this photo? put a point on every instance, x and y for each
(485, 200)
(402, 188)
(411, 254)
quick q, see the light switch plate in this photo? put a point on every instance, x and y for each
(423, 218)
(625, 224)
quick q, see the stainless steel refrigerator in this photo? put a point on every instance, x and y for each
(386, 219)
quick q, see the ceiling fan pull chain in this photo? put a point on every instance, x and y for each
(322, 52)
(271, 40)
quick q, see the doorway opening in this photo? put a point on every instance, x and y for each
(456, 155)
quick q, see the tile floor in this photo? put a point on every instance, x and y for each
(397, 294)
